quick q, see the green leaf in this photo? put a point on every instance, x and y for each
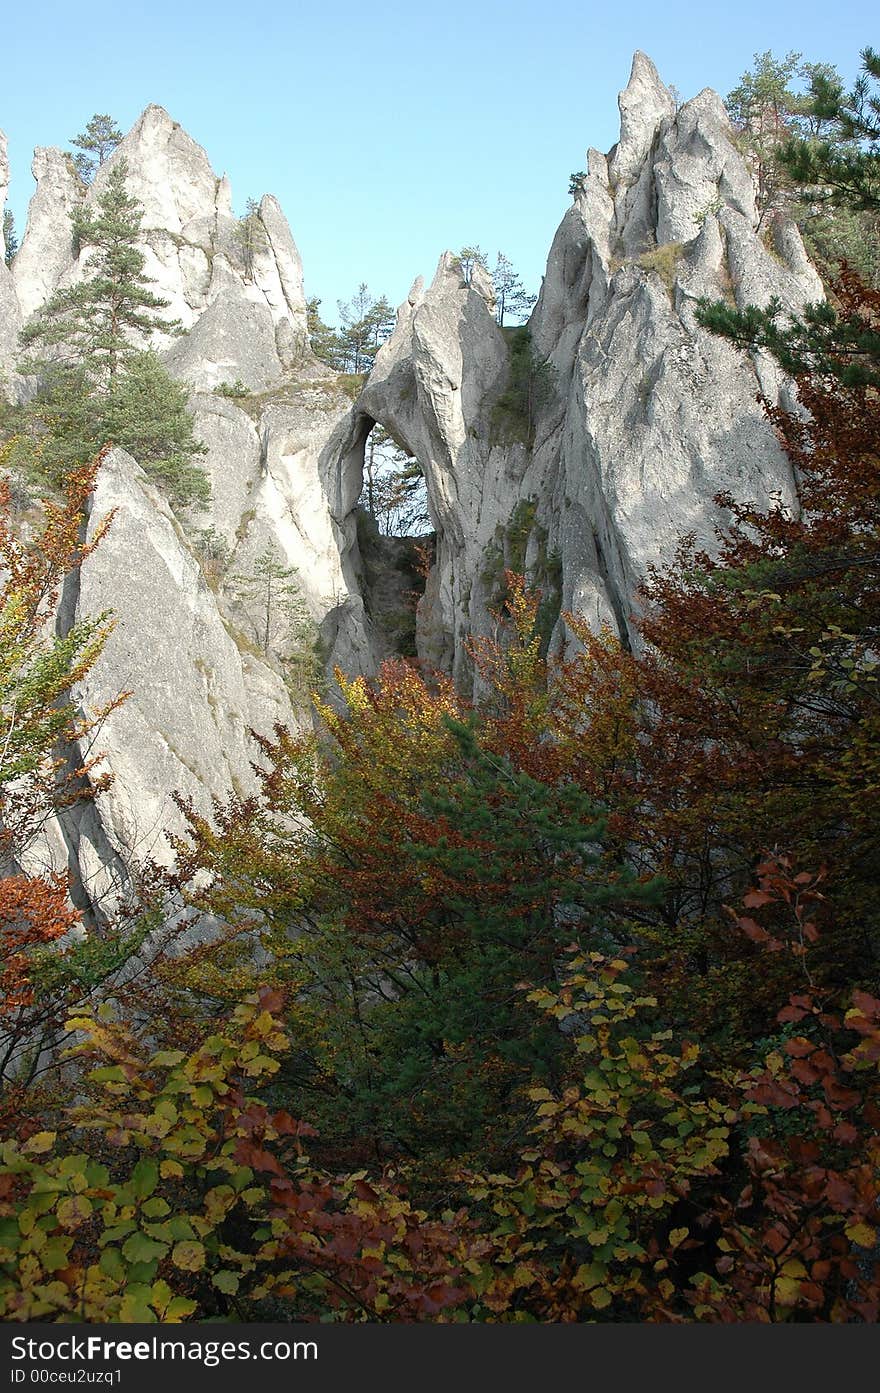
(144, 1177)
(39, 1143)
(111, 1264)
(140, 1248)
(55, 1255)
(73, 1211)
(156, 1208)
(179, 1309)
(135, 1308)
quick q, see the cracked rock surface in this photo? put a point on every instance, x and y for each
(634, 420)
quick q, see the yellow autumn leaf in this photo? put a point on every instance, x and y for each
(73, 1211)
(188, 1255)
(38, 1143)
(862, 1234)
(787, 1290)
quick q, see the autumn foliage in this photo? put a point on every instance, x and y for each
(559, 1005)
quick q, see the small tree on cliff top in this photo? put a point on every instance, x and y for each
(99, 139)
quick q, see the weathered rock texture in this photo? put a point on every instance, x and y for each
(642, 416)
(244, 312)
(207, 653)
(632, 419)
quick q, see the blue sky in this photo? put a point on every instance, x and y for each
(389, 131)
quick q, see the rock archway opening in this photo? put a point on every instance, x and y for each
(396, 537)
(393, 494)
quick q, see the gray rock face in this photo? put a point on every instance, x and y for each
(4, 184)
(642, 417)
(253, 307)
(46, 250)
(432, 386)
(275, 495)
(196, 692)
(205, 658)
(233, 340)
(627, 420)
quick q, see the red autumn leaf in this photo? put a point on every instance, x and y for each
(804, 1072)
(838, 1096)
(271, 1000)
(756, 898)
(845, 1132)
(812, 1293)
(868, 1005)
(288, 1126)
(790, 1013)
(247, 1154)
(775, 1094)
(840, 1193)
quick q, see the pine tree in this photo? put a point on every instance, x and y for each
(510, 293)
(10, 241)
(468, 258)
(146, 413)
(250, 235)
(843, 164)
(761, 107)
(99, 324)
(365, 325)
(97, 384)
(99, 139)
(274, 591)
(324, 340)
(838, 338)
(394, 492)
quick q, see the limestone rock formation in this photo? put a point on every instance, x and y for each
(578, 448)
(206, 656)
(253, 305)
(638, 417)
(196, 691)
(46, 251)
